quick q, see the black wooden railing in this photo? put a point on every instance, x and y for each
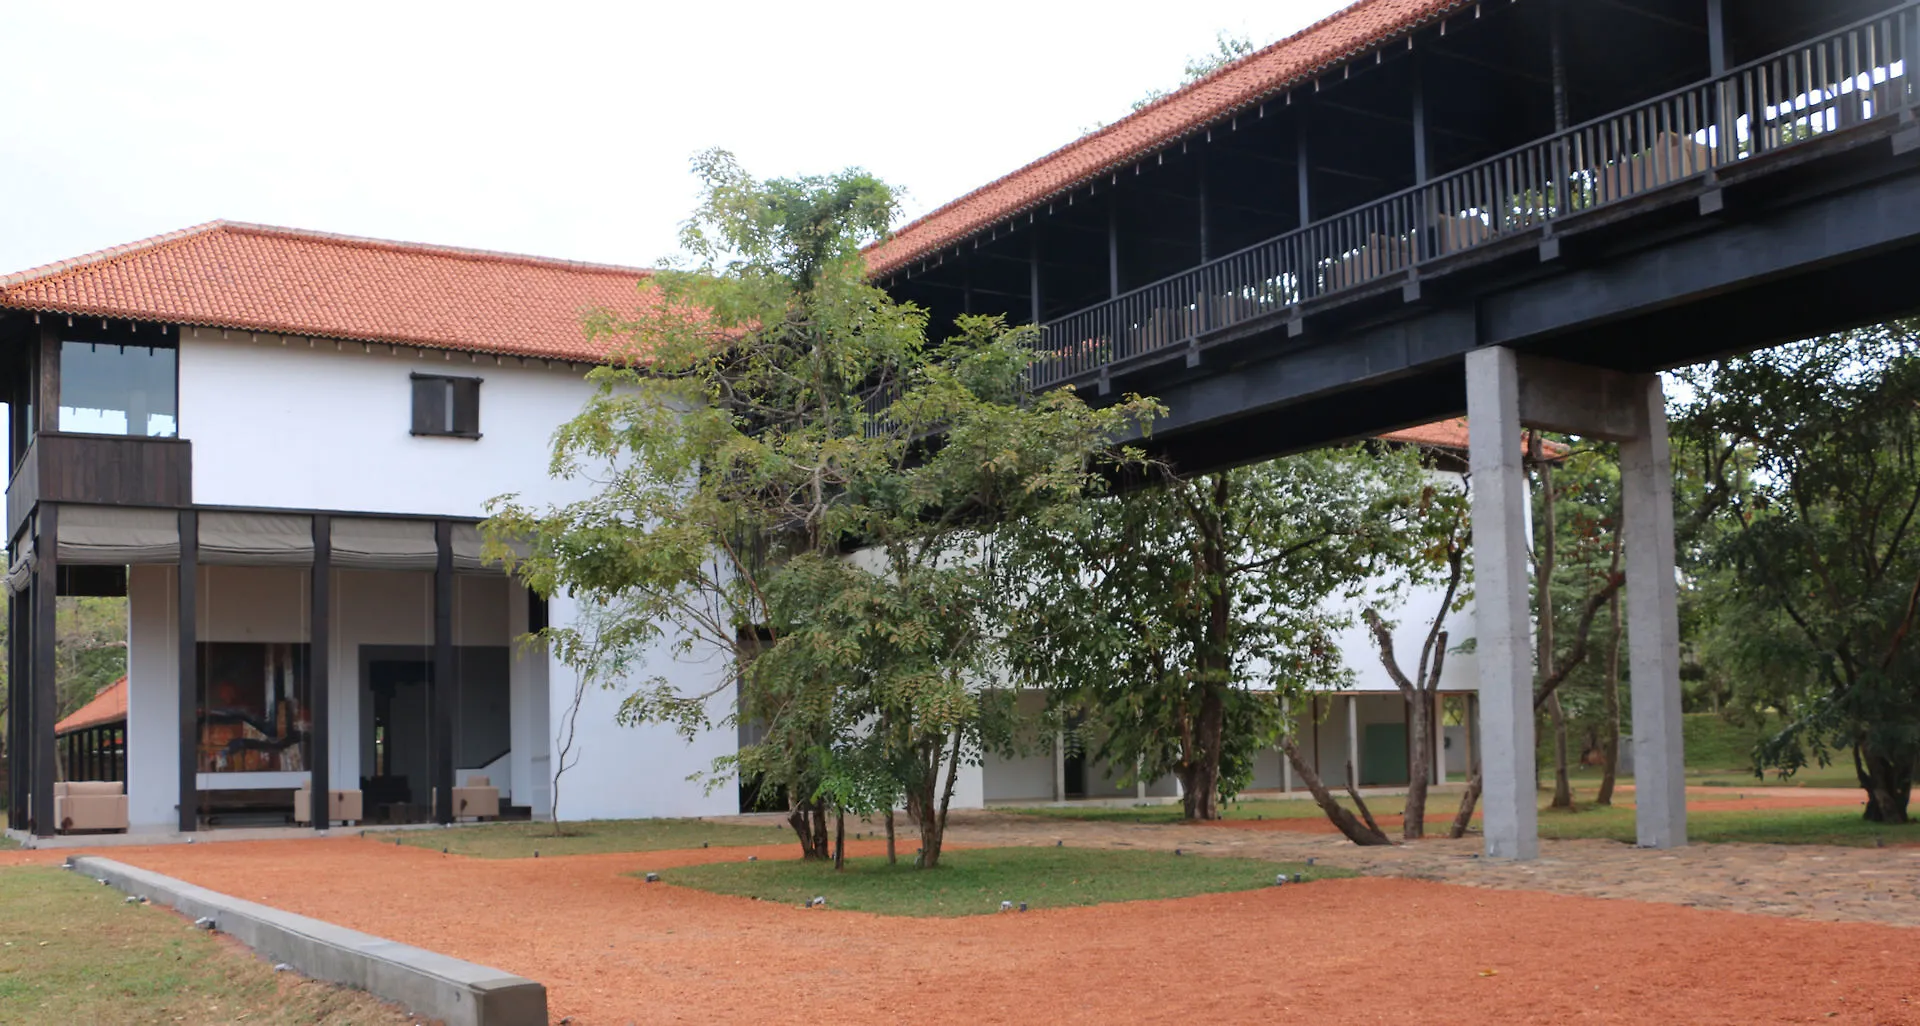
(1850, 77)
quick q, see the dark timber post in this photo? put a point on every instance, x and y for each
(189, 712)
(319, 688)
(1303, 157)
(1425, 221)
(1716, 38)
(1200, 203)
(47, 399)
(1033, 277)
(445, 688)
(1113, 245)
(45, 587)
(17, 705)
(1557, 55)
(1421, 153)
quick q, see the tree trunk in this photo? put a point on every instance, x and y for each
(891, 860)
(839, 839)
(1200, 775)
(809, 822)
(1349, 824)
(1467, 802)
(1610, 696)
(1543, 615)
(1562, 783)
(1419, 723)
(1888, 783)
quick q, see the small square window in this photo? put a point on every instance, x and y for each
(446, 406)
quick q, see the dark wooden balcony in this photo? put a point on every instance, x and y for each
(105, 470)
(1675, 148)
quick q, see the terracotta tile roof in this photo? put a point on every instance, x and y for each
(1452, 434)
(109, 706)
(1441, 434)
(1240, 85)
(251, 277)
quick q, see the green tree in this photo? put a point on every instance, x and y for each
(1182, 615)
(790, 482)
(1805, 537)
(1227, 48)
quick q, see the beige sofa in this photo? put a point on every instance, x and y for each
(479, 799)
(343, 806)
(89, 805)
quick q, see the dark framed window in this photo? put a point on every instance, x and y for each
(446, 405)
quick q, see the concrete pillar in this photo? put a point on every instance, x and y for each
(1353, 740)
(1139, 779)
(1502, 614)
(1438, 720)
(1653, 628)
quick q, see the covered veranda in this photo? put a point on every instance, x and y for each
(272, 652)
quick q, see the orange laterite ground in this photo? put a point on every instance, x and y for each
(613, 949)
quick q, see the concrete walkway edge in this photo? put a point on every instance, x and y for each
(432, 985)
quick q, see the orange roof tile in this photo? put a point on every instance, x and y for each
(251, 277)
(1237, 86)
(1441, 434)
(109, 706)
(1452, 434)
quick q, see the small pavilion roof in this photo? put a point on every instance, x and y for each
(107, 708)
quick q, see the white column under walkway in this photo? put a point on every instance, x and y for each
(1505, 393)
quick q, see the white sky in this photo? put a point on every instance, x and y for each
(560, 128)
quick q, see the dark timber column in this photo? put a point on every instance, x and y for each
(189, 639)
(1200, 204)
(17, 706)
(1033, 276)
(319, 687)
(1303, 157)
(45, 576)
(1557, 54)
(445, 689)
(1716, 37)
(47, 399)
(1113, 245)
(1421, 150)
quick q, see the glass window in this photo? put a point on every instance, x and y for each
(109, 389)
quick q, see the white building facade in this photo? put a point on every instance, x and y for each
(278, 445)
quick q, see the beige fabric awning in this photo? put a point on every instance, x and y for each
(256, 539)
(20, 574)
(118, 536)
(469, 542)
(384, 544)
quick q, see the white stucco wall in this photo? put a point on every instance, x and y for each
(302, 427)
(637, 771)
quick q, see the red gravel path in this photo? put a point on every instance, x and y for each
(614, 950)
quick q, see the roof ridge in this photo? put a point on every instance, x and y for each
(435, 249)
(1256, 92)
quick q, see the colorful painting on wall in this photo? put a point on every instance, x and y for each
(254, 712)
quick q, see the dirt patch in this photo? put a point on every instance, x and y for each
(613, 949)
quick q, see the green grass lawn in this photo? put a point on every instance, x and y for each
(975, 881)
(72, 951)
(521, 840)
(1842, 826)
(8, 843)
(1254, 808)
(1839, 825)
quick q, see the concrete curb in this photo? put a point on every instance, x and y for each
(433, 985)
